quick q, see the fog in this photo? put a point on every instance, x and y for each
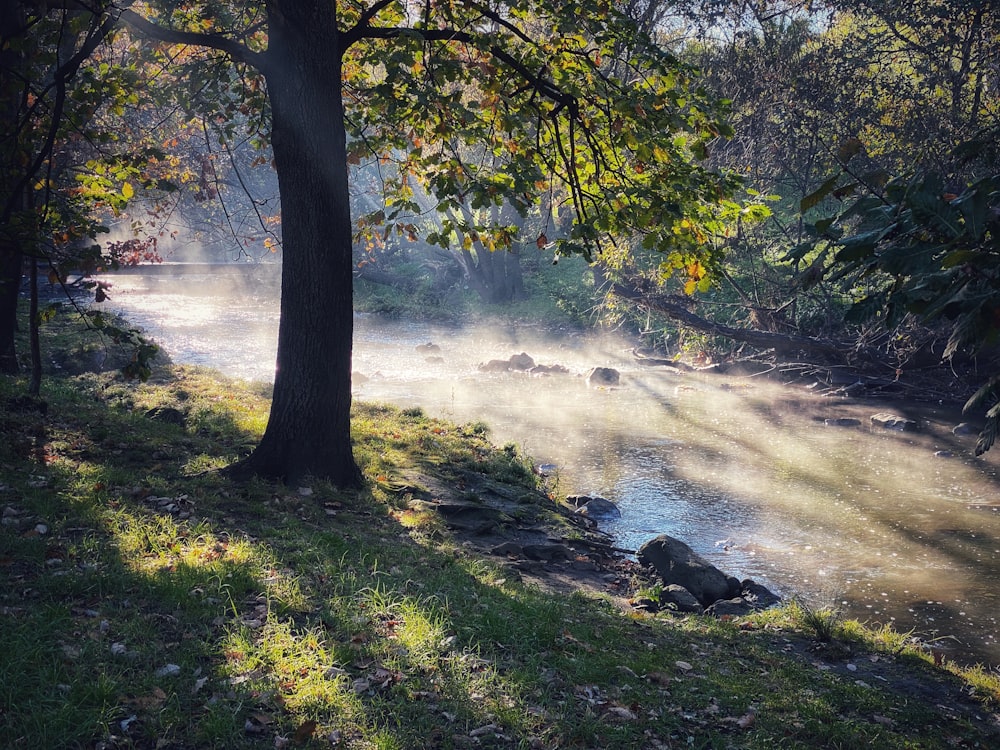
(744, 470)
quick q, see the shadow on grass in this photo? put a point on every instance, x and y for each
(148, 604)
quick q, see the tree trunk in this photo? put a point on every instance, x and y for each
(309, 430)
(11, 170)
(10, 284)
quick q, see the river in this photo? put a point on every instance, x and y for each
(747, 472)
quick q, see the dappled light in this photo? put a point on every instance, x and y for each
(744, 470)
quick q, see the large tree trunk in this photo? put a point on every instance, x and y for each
(309, 430)
(10, 284)
(11, 172)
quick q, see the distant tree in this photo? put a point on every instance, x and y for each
(564, 96)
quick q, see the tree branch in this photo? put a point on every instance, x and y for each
(236, 50)
(763, 339)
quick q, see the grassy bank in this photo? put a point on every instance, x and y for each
(146, 602)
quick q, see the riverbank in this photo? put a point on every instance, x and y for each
(147, 602)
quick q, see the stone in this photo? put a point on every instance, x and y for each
(359, 378)
(521, 362)
(893, 422)
(428, 348)
(735, 607)
(679, 599)
(495, 365)
(547, 552)
(548, 370)
(964, 429)
(677, 563)
(599, 507)
(842, 422)
(758, 595)
(603, 376)
(507, 548)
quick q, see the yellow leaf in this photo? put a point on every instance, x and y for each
(127, 190)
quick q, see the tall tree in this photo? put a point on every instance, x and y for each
(558, 97)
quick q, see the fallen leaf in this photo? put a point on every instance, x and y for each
(305, 732)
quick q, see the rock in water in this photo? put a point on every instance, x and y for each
(676, 563)
(603, 376)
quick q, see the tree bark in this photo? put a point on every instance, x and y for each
(309, 432)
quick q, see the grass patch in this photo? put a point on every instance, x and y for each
(147, 602)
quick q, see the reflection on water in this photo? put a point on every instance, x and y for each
(745, 472)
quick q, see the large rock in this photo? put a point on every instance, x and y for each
(679, 599)
(522, 361)
(893, 422)
(676, 563)
(605, 376)
(595, 507)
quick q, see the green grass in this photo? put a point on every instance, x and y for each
(147, 602)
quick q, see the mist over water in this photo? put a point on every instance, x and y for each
(744, 471)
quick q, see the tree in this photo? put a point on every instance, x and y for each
(925, 251)
(561, 98)
(39, 58)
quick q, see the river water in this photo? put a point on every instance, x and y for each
(867, 520)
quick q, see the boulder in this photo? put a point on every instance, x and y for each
(428, 348)
(757, 595)
(599, 507)
(521, 362)
(495, 365)
(679, 599)
(893, 422)
(676, 563)
(603, 376)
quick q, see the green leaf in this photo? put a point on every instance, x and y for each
(813, 199)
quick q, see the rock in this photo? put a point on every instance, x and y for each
(547, 552)
(603, 376)
(507, 548)
(943, 454)
(679, 599)
(477, 519)
(645, 604)
(546, 470)
(495, 365)
(757, 595)
(599, 507)
(358, 378)
(521, 362)
(168, 415)
(548, 370)
(428, 348)
(893, 422)
(842, 422)
(677, 563)
(964, 429)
